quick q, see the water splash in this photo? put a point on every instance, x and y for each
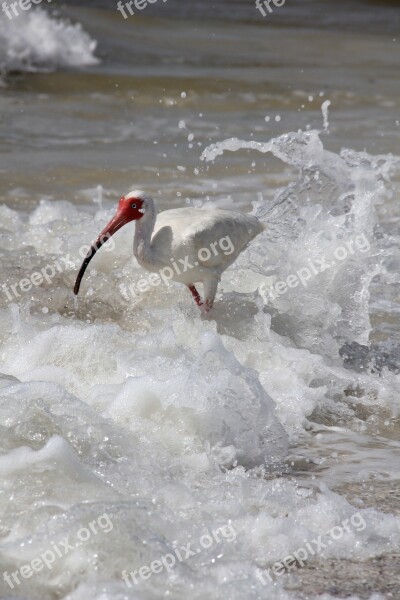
(319, 217)
(324, 108)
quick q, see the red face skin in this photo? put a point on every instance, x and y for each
(128, 210)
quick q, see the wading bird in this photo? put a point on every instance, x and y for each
(188, 245)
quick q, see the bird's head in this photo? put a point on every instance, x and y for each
(131, 207)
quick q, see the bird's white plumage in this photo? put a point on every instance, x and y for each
(190, 230)
(208, 240)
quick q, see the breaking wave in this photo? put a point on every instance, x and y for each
(37, 41)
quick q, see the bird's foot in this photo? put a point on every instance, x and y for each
(207, 306)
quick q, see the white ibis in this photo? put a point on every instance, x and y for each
(191, 245)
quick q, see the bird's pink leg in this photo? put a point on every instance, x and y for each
(195, 295)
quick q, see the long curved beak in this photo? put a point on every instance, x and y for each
(116, 223)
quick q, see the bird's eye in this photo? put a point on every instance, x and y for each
(133, 206)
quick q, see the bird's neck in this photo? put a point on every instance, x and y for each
(142, 248)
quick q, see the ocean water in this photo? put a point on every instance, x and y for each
(147, 451)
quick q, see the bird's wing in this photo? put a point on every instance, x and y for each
(223, 233)
(183, 232)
